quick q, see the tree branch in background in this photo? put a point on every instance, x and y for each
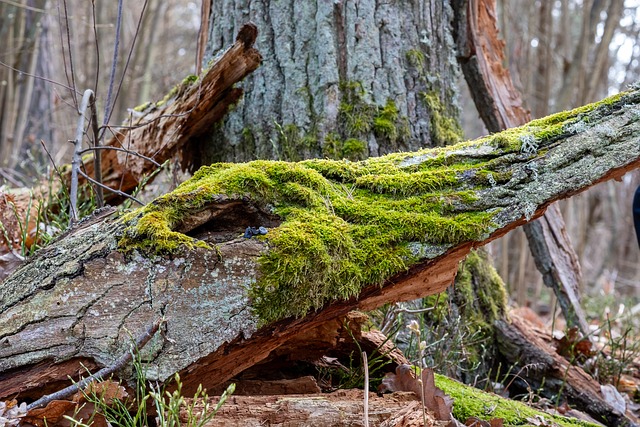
(501, 107)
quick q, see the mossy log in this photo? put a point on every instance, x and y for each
(340, 235)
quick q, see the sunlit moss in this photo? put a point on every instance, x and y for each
(471, 402)
(345, 224)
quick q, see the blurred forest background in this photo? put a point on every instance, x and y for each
(561, 54)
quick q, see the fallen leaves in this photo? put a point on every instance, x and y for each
(11, 412)
(58, 412)
(433, 399)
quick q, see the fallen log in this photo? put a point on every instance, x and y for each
(530, 350)
(339, 235)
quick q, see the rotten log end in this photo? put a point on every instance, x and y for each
(248, 34)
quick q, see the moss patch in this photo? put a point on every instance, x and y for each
(471, 402)
(346, 225)
(357, 118)
(444, 128)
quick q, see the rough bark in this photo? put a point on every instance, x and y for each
(81, 298)
(316, 53)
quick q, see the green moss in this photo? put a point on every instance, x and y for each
(293, 144)
(416, 59)
(173, 93)
(471, 402)
(547, 129)
(336, 148)
(445, 129)
(344, 224)
(140, 108)
(189, 80)
(357, 117)
(354, 149)
(336, 236)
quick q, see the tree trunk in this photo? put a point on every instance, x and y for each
(404, 221)
(339, 80)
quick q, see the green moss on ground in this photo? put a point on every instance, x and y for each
(471, 402)
(345, 224)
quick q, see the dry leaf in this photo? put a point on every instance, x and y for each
(573, 346)
(107, 391)
(11, 413)
(52, 413)
(434, 398)
(541, 421)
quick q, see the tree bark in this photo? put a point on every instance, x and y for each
(330, 70)
(81, 297)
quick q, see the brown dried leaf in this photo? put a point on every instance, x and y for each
(434, 399)
(50, 415)
(107, 391)
(476, 422)
(572, 345)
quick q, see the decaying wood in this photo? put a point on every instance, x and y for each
(530, 349)
(500, 105)
(340, 408)
(163, 130)
(80, 297)
(158, 132)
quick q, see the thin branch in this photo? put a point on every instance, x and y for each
(113, 190)
(97, 157)
(126, 65)
(109, 147)
(64, 187)
(64, 60)
(38, 77)
(95, 39)
(76, 161)
(102, 373)
(114, 65)
(365, 365)
(73, 73)
(7, 174)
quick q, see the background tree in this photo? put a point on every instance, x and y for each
(562, 54)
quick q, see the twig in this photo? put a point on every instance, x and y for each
(113, 190)
(97, 156)
(114, 64)
(126, 64)
(118, 364)
(110, 147)
(366, 388)
(87, 97)
(64, 187)
(35, 76)
(73, 73)
(95, 39)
